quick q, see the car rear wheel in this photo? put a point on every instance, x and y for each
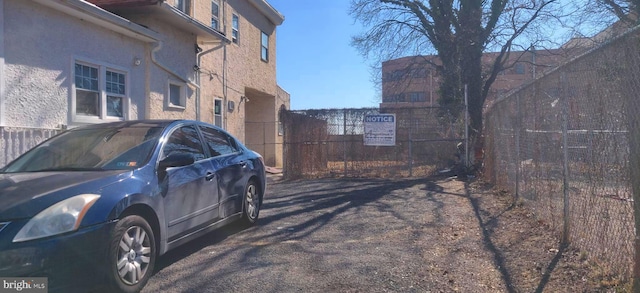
(132, 254)
(251, 203)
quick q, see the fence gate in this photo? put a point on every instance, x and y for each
(322, 143)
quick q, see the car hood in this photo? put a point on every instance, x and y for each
(23, 195)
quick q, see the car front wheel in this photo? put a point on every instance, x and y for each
(132, 254)
(251, 203)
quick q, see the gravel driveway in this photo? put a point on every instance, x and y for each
(353, 235)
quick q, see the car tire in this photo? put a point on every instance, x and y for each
(132, 254)
(251, 203)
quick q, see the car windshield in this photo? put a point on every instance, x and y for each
(90, 149)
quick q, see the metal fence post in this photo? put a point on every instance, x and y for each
(564, 97)
(518, 127)
(410, 143)
(344, 131)
(466, 128)
(631, 94)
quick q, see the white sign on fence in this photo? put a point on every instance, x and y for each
(380, 130)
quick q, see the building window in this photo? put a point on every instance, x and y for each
(395, 75)
(115, 93)
(87, 90)
(519, 68)
(399, 98)
(265, 47)
(100, 92)
(419, 72)
(217, 112)
(417, 97)
(235, 28)
(215, 14)
(183, 5)
(177, 95)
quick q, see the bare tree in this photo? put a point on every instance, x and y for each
(458, 32)
(625, 10)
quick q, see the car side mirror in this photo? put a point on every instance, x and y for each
(176, 160)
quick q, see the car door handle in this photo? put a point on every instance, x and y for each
(210, 176)
(243, 164)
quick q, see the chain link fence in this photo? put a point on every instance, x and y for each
(561, 144)
(320, 143)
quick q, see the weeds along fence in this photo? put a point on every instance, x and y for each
(320, 143)
(563, 145)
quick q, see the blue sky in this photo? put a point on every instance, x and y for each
(315, 62)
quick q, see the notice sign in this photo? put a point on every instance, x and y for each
(380, 130)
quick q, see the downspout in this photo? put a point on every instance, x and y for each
(198, 91)
(225, 99)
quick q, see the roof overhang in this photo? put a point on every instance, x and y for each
(271, 13)
(98, 16)
(168, 13)
(179, 19)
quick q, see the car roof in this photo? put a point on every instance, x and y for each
(162, 123)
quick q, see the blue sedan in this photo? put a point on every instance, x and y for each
(98, 204)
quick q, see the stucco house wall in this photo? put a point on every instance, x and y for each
(154, 45)
(211, 82)
(39, 62)
(175, 51)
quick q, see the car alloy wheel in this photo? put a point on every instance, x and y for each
(251, 205)
(132, 254)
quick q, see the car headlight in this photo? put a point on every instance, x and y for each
(64, 216)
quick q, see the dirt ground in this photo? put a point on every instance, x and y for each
(378, 235)
(527, 254)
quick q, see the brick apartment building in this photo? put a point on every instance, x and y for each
(414, 82)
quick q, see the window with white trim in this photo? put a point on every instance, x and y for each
(235, 28)
(176, 94)
(215, 14)
(217, 112)
(100, 92)
(115, 93)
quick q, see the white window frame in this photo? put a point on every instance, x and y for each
(216, 17)
(264, 47)
(221, 115)
(235, 30)
(102, 92)
(183, 94)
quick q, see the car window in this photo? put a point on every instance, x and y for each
(219, 143)
(91, 149)
(184, 140)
